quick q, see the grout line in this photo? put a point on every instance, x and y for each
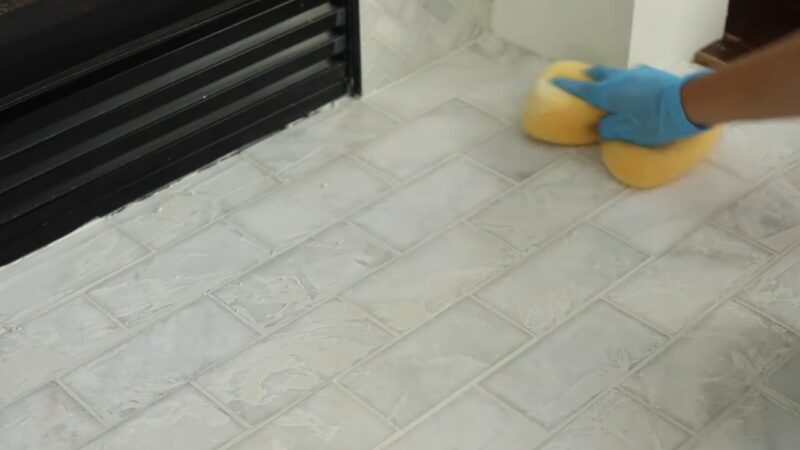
(364, 404)
(633, 316)
(781, 400)
(620, 237)
(743, 237)
(475, 298)
(505, 121)
(79, 400)
(491, 170)
(372, 317)
(764, 315)
(107, 313)
(113, 223)
(498, 399)
(666, 418)
(219, 404)
(246, 321)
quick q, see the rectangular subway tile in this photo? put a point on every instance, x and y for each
(51, 344)
(428, 139)
(305, 276)
(474, 421)
(327, 420)
(47, 419)
(348, 126)
(770, 214)
(786, 380)
(657, 219)
(441, 82)
(712, 365)
(757, 424)
(293, 361)
(184, 419)
(302, 208)
(144, 369)
(776, 291)
(514, 71)
(574, 364)
(412, 289)
(63, 268)
(514, 154)
(193, 202)
(542, 291)
(430, 203)
(753, 150)
(689, 279)
(425, 367)
(549, 203)
(617, 422)
(176, 276)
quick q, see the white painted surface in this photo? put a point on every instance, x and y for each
(665, 32)
(615, 32)
(596, 31)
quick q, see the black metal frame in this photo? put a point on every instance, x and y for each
(85, 144)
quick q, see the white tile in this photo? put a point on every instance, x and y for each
(776, 291)
(755, 149)
(617, 422)
(421, 370)
(288, 286)
(194, 202)
(659, 218)
(291, 362)
(61, 269)
(492, 74)
(184, 419)
(413, 212)
(513, 73)
(48, 345)
(786, 379)
(689, 279)
(350, 126)
(712, 365)
(411, 290)
(142, 370)
(48, 419)
(514, 154)
(543, 290)
(549, 203)
(437, 84)
(428, 139)
(293, 213)
(771, 214)
(574, 364)
(757, 424)
(328, 420)
(177, 275)
(474, 421)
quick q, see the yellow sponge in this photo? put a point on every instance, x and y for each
(556, 116)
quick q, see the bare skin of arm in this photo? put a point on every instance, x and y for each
(763, 85)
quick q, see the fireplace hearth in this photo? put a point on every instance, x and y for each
(112, 99)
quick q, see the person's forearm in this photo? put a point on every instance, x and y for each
(763, 85)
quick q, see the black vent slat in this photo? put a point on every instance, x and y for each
(85, 153)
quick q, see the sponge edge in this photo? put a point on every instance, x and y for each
(643, 167)
(556, 116)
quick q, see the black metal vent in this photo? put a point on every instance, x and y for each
(84, 143)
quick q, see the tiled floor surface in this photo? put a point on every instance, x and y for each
(409, 272)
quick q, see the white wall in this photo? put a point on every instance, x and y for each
(614, 32)
(596, 31)
(667, 31)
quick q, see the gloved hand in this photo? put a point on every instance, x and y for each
(644, 104)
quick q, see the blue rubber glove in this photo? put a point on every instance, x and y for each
(644, 104)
